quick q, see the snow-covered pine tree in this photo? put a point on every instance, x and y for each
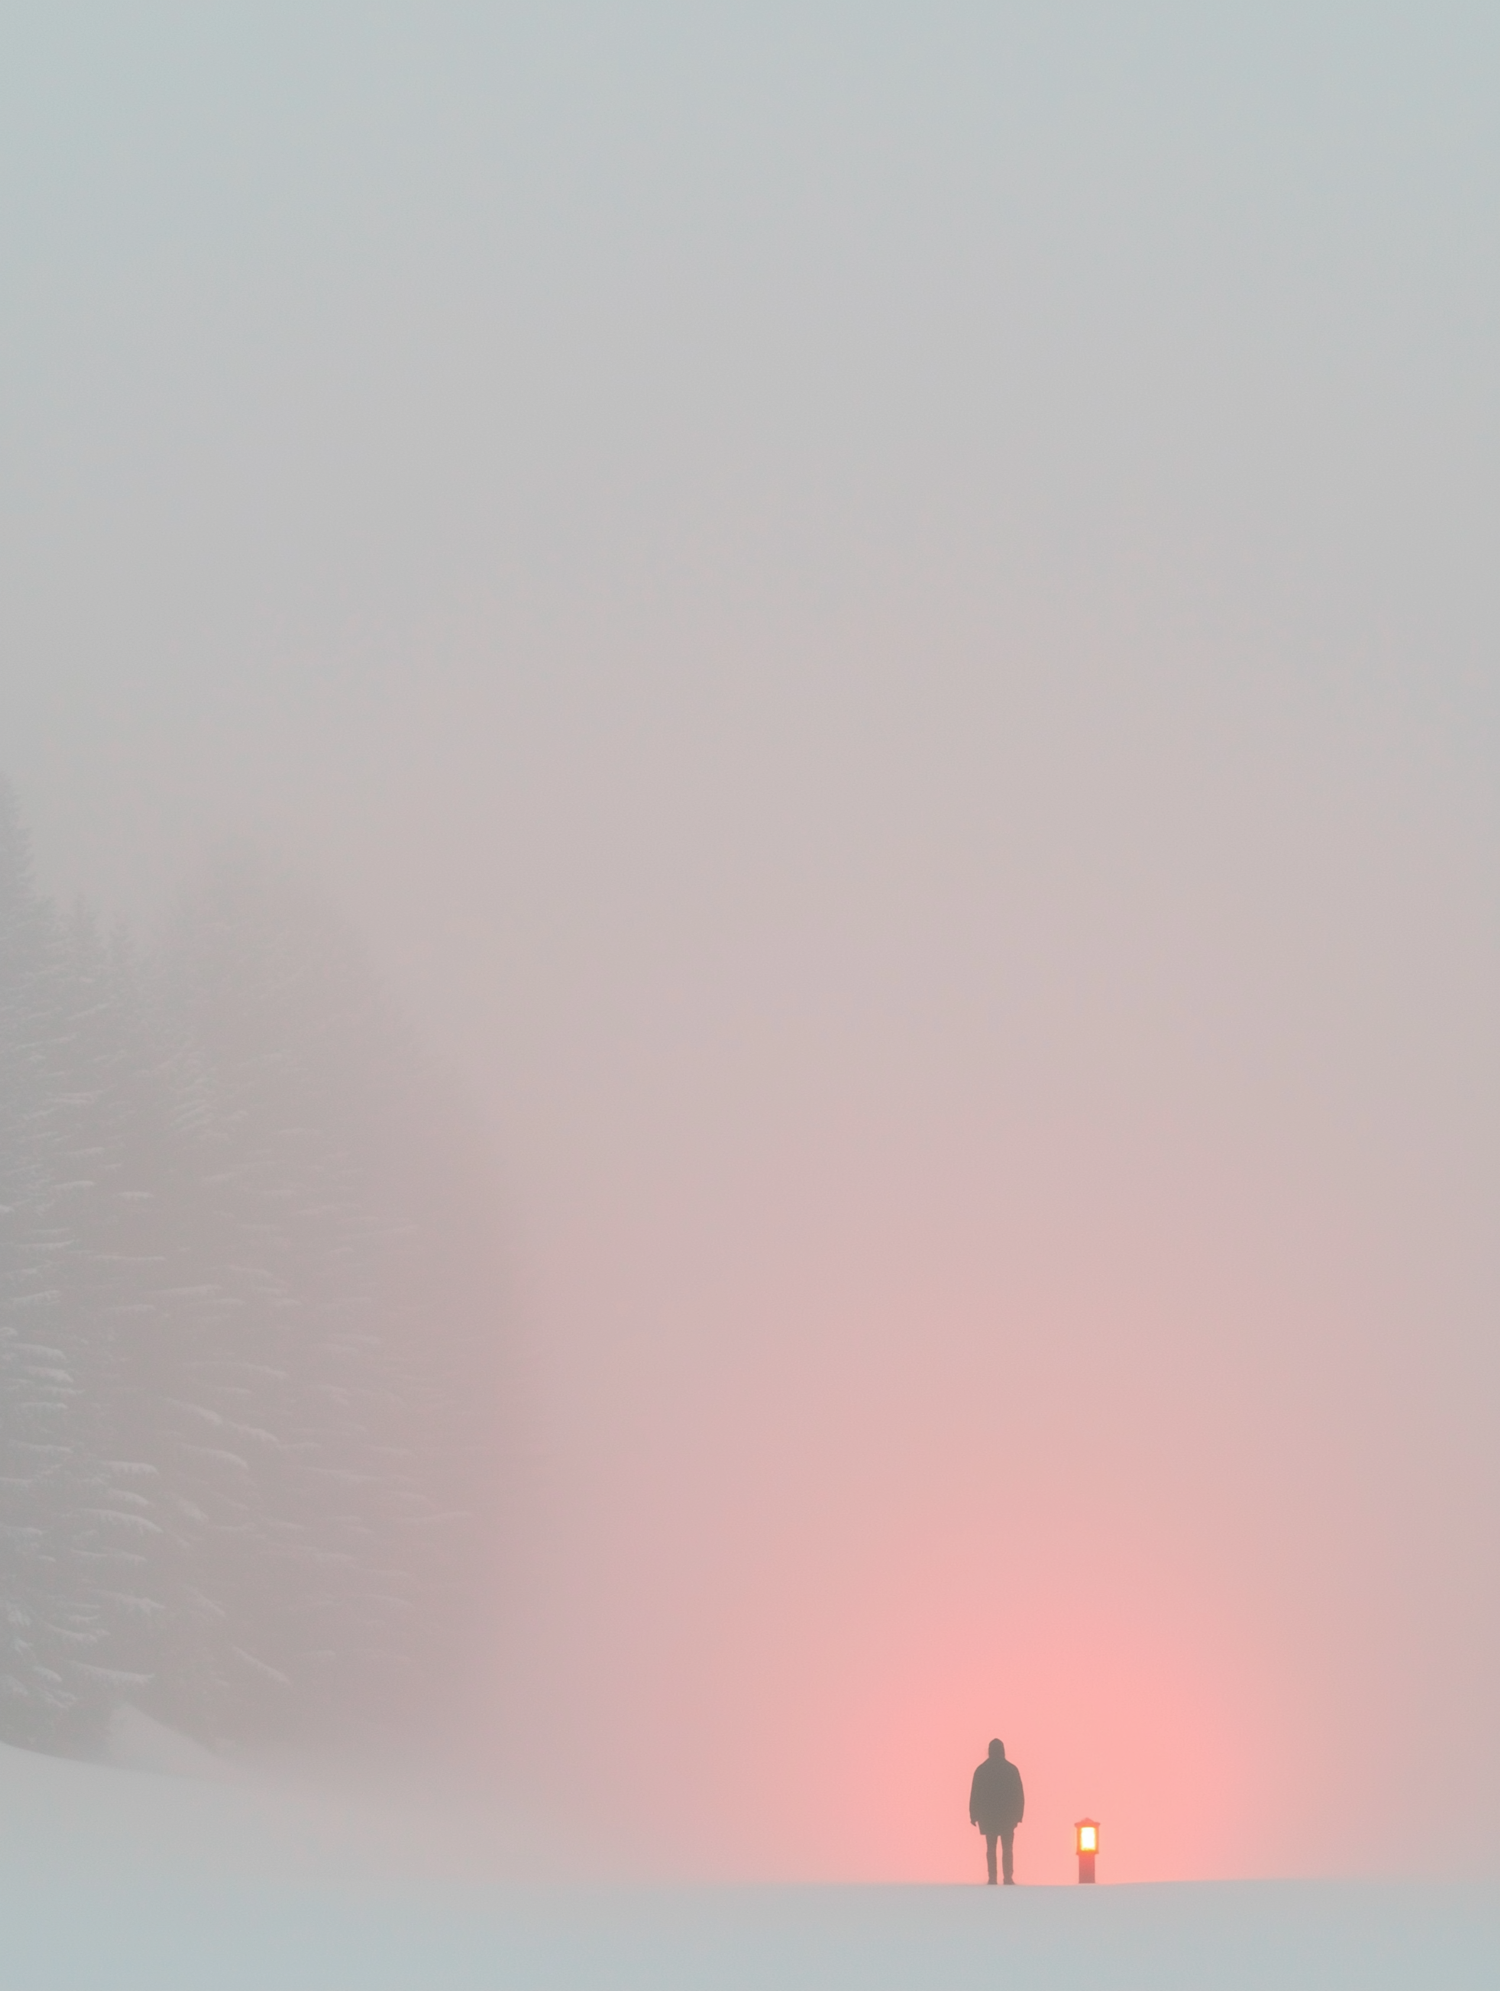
(72, 1525)
(247, 1338)
(321, 1430)
(111, 1117)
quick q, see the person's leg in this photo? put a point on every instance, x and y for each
(989, 1848)
(1008, 1841)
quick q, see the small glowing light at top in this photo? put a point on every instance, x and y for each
(1088, 1839)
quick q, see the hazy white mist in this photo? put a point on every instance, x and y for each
(886, 622)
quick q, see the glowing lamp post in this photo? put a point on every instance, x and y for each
(1086, 1844)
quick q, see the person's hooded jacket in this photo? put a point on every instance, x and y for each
(997, 1803)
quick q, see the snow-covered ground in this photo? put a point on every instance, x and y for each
(136, 1880)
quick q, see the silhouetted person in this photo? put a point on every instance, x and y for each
(997, 1805)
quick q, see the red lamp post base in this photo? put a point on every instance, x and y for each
(1086, 1866)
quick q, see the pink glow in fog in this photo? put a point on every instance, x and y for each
(886, 619)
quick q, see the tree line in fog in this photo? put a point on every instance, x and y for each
(248, 1363)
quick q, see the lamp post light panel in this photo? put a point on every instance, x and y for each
(1086, 1845)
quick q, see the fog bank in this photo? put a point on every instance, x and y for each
(888, 626)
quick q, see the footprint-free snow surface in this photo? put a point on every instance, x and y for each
(119, 1878)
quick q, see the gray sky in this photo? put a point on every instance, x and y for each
(888, 618)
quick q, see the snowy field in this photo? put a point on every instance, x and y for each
(133, 1880)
